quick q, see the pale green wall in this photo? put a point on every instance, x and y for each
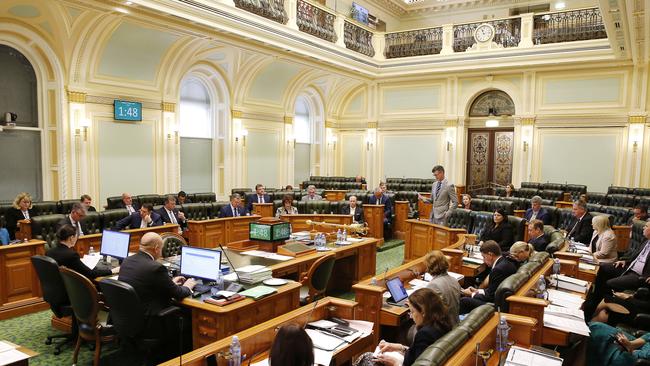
(301, 163)
(21, 167)
(605, 89)
(406, 99)
(270, 83)
(410, 156)
(356, 104)
(134, 52)
(263, 159)
(126, 158)
(196, 165)
(352, 149)
(579, 159)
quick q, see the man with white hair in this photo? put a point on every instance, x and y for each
(379, 198)
(311, 194)
(537, 212)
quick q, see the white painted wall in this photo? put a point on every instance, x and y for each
(263, 158)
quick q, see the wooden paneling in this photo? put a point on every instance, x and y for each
(401, 215)
(374, 216)
(263, 209)
(210, 233)
(423, 237)
(335, 195)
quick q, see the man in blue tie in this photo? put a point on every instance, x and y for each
(443, 197)
(234, 209)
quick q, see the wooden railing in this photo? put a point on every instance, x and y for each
(315, 21)
(358, 39)
(568, 26)
(507, 33)
(414, 43)
(270, 9)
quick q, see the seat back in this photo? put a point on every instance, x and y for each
(196, 211)
(610, 217)
(115, 202)
(518, 227)
(83, 298)
(535, 185)
(576, 190)
(508, 287)
(45, 208)
(564, 218)
(126, 310)
(637, 237)
(554, 187)
(4, 207)
(597, 198)
(460, 218)
(172, 243)
(506, 206)
(109, 218)
(552, 194)
(92, 223)
(642, 192)
(154, 199)
(480, 222)
(621, 214)
(620, 200)
(44, 228)
(319, 275)
(527, 192)
(54, 292)
(518, 203)
(205, 197)
(64, 206)
(619, 190)
(319, 207)
(479, 204)
(552, 214)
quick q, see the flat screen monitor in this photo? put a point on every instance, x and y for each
(359, 13)
(115, 244)
(396, 289)
(200, 263)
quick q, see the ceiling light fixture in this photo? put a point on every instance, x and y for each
(129, 3)
(492, 120)
(560, 5)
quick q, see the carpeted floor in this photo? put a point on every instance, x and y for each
(31, 330)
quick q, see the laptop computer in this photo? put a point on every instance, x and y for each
(398, 294)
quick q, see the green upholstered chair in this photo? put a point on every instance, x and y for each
(154, 199)
(507, 206)
(460, 218)
(551, 194)
(114, 202)
(111, 217)
(196, 211)
(554, 187)
(3, 211)
(619, 190)
(45, 208)
(172, 243)
(509, 287)
(531, 185)
(315, 280)
(44, 228)
(576, 190)
(527, 192)
(64, 206)
(554, 237)
(212, 209)
(518, 227)
(92, 223)
(480, 221)
(620, 200)
(205, 197)
(621, 214)
(84, 299)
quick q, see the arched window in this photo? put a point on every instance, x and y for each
(196, 125)
(18, 102)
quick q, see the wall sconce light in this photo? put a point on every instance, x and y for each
(492, 120)
(525, 146)
(333, 140)
(173, 134)
(635, 146)
(83, 129)
(449, 145)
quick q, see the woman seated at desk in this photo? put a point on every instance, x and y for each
(442, 283)
(428, 312)
(291, 347)
(64, 255)
(499, 231)
(20, 210)
(286, 208)
(603, 244)
(520, 252)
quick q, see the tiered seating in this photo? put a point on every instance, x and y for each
(159, 199)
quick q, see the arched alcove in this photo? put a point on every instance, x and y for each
(497, 101)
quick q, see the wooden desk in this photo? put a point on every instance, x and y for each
(374, 216)
(424, 208)
(28, 352)
(299, 222)
(423, 237)
(335, 194)
(20, 289)
(209, 233)
(95, 240)
(563, 204)
(583, 274)
(263, 209)
(211, 322)
(258, 339)
(456, 252)
(401, 215)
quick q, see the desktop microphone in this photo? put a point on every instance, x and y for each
(385, 272)
(231, 265)
(556, 271)
(309, 315)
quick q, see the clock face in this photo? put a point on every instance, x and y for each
(484, 33)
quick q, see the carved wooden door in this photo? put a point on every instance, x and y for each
(489, 158)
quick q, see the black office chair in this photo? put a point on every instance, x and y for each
(54, 294)
(128, 317)
(84, 299)
(315, 281)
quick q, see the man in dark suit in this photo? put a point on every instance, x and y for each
(537, 212)
(536, 235)
(260, 196)
(87, 202)
(353, 209)
(235, 208)
(155, 287)
(77, 213)
(380, 199)
(629, 273)
(145, 217)
(501, 268)
(170, 214)
(581, 229)
(182, 198)
(127, 202)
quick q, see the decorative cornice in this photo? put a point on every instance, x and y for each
(451, 122)
(288, 120)
(168, 107)
(527, 121)
(637, 119)
(373, 124)
(76, 97)
(330, 124)
(237, 114)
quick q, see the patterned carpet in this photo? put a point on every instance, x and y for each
(31, 330)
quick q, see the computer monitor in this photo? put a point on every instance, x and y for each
(115, 244)
(396, 289)
(200, 263)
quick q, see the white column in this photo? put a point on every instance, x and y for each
(379, 44)
(290, 143)
(447, 39)
(172, 148)
(526, 30)
(371, 161)
(291, 7)
(79, 126)
(339, 29)
(635, 150)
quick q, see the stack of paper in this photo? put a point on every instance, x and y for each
(301, 235)
(588, 258)
(267, 255)
(569, 283)
(473, 260)
(564, 299)
(564, 313)
(254, 273)
(258, 292)
(525, 357)
(9, 354)
(586, 266)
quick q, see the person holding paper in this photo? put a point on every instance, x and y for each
(64, 255)
(291, 347)
(610, 346)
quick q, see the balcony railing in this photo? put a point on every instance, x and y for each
(316, 21)
(568, 26)
(507, 33)
(414, 43)
(270, 9)
(358, 39)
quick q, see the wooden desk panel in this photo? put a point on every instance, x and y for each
(423, 237)
(401, 215)
(335, 194)
(622, 237)
(374, 216)
(209, 233)
(299, 222)
(20, 290)
(95, 240)
(257, 340)
(424, 208)
(263, 209)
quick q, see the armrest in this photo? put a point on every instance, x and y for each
(642, 321)
(168, 311)
(642, 293)
(642, 362)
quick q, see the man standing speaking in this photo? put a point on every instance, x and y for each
(443, 197)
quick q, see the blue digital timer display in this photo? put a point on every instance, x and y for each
(127, 111)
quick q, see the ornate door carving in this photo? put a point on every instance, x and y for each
(489, 158)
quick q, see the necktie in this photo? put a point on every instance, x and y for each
(593, 244)
(130, 209)
(533, 216)
(438, 188)
(573, 228)
(172, 217)
(260, 199)
(645, 267)
(236, 212)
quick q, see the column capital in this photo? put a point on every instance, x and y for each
(373, 124)
(637, 118)
(527, 121)
(76, 96)
(451, 122)
(330, 124)
(237, 114)
(288, 120)
(168, 107)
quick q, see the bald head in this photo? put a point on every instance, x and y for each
(152, 243)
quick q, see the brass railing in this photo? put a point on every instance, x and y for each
(270, 9)
(414, 43)
(358, 39)
(568, 26)
(316, 21)
(507, 33)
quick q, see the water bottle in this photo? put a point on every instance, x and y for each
(502, 334)
(556, 266)
(91, 251)
(373, 281)
(338, 236)
(345, 235)
(235, 352)
(219, 281)
(541, 287)
(572, 246)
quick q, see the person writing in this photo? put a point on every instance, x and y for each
(64, 254)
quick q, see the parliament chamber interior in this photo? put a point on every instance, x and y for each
(331, 182)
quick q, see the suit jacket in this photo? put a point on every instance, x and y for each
(12, 217)
(151, 282)
(445, 202)
(91, 209)
(68, 221)
(383, 200)
(539, 243)
(305, 198)
(68, 257)
(226, 211)
(606, 246)
(424, 337)
(164, 216)
(449, 290)
(502, 269)
(252, 198)
(281, 211)
(358, 213)
(632, 257)
(542, 214)
(134, 220)
(581, 230)
(502, 234)
(121, 204)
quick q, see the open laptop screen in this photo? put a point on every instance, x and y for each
(396, 289)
